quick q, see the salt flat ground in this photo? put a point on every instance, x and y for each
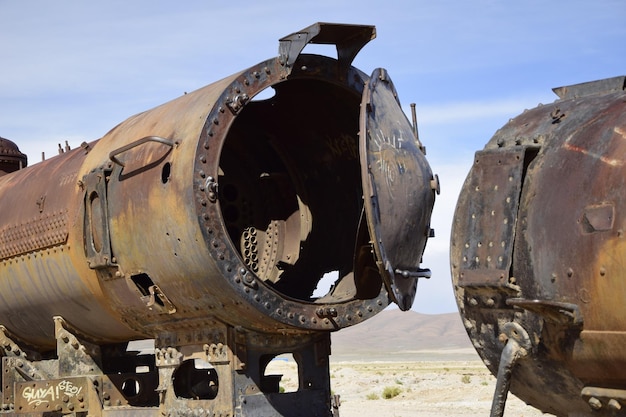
(450, 388)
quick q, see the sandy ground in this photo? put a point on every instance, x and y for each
(424, 388)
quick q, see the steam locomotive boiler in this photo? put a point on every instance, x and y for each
(206, 224)
(538, 253)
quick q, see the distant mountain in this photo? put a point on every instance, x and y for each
(404, 333)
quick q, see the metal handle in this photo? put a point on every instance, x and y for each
(113, 154)
(415, 273)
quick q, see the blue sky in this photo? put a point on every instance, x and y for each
(72, 70)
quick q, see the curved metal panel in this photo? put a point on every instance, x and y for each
(397, 188)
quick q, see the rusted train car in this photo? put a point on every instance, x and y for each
(206, 224)
(538, 253)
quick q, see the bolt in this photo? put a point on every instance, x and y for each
(614, 404)
(595, 403)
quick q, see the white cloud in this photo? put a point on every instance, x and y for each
(500, 108)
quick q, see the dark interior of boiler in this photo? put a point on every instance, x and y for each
(291, 193)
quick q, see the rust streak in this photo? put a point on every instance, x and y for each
(609, 161)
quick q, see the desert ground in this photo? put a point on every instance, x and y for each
(425, 364)
(432, 388)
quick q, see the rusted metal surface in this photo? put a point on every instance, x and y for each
(42, 260)
(555, 215)
(206, 224)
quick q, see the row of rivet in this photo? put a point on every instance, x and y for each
(26, 256)
(33, 235)
(248, 280)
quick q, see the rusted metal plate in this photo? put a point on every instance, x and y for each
(64, 395)
(486, 216)
(397, 188)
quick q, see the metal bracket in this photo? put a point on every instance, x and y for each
(599, 398)
(76, 355)
(96, 219)
(349, 39)
(158, 300)
(566, 314)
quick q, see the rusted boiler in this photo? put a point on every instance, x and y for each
(538, 253)
(207, 223)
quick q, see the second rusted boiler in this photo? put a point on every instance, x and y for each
(538, 250)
